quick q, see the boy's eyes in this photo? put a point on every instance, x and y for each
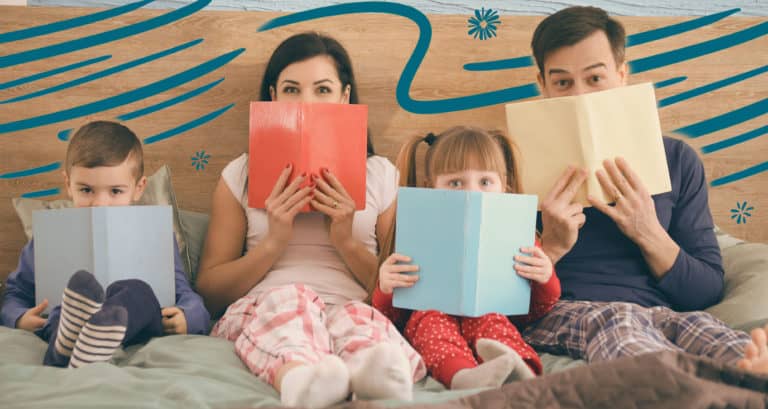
(564, 83)
(114, 191)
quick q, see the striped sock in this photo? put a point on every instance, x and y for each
(82, 298)
(100, 337)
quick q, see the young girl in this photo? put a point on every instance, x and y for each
(295, 295)
(465, 158)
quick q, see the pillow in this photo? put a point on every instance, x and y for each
(745, 305)
(159, 191)
(195, 226)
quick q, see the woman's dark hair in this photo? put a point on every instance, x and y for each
(304, 46)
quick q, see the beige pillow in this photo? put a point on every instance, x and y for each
(745, 305)
(159, 191)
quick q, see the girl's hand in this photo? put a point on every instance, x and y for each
(333, 200)
(284, 203)
(391, 274)
(537, 267)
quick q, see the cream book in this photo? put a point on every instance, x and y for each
(584, 130)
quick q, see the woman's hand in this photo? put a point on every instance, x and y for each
(392, 275)
(284, 203)
(333, 200)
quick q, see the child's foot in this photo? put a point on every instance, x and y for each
(100, 337)
(756, 353)
(382, 372)
(316, 386)
(489, 374)
(82, 297)
(489, 349)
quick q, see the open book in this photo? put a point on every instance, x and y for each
(584, 130)
(112, 243)
(310, 136)
(464, 244)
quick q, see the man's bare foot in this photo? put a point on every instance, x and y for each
(756, 352)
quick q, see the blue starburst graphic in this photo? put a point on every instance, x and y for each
(200, 160)
(741, 212)
(483, 24)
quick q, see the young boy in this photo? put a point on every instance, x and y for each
(104, 167)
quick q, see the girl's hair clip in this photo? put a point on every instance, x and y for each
(430, 138)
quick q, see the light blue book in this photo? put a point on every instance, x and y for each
(464, 244)
(112, 243)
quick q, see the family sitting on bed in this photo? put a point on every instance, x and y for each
(633, 273)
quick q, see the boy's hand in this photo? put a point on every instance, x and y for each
(174, 321)
(391, 274)
(538, 268)
(31, 320)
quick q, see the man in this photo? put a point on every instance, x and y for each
(628, 267)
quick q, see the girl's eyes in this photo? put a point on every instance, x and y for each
(117, 191)
(290, 90)
(85, 190)
(454, 183)
(486, 182)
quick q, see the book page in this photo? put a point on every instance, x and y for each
(584, 130)
(547, 131)
(624, 122)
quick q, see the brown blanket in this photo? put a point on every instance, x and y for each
(658, 380)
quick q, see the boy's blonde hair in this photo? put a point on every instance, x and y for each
(104, 143)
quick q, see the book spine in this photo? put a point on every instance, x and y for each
(471, 239)
(590, 146)
(99, 245)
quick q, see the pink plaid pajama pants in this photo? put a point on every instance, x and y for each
(292, 323)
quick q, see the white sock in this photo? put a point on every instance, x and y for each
(382, 372)
(489, 374)
(316, 386)
(489, 349)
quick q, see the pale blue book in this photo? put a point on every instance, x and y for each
(464, 244)
(112, 243)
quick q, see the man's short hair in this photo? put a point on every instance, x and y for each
(104, 143)
(571, 25)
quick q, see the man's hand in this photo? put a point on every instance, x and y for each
(561, 218)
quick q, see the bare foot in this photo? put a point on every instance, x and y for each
(756, 353)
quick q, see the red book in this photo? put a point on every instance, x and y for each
(310, 136)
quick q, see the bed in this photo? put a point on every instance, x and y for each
(204, 372)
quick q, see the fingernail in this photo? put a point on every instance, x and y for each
(326, 171)
(288, 166)
(303, 175)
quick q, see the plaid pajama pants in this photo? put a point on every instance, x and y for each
(600, 331)
(291, 323)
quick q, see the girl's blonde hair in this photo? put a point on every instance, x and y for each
(457, 149)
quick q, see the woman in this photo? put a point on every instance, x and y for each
(295, 297)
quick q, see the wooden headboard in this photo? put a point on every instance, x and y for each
(200, 68)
